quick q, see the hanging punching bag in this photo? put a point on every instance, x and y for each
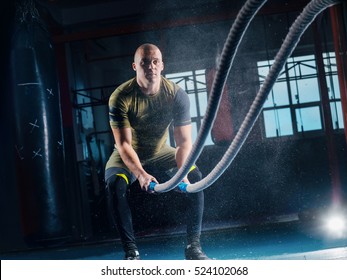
(222, 131)
(38, 147)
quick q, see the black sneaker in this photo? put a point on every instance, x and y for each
(194, 252)
(132, 255)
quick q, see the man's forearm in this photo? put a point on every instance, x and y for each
(182, 153)
(131, 160)
(183, 141)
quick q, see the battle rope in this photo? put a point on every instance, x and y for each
(295, 32)
(297, 29)
(237, 30)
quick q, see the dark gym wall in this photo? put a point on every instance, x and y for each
(10, 232)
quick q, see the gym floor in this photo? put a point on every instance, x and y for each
(286, 239)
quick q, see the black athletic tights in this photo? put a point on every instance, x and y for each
(120, 213)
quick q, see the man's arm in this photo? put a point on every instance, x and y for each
(183, 139)
(123, 138)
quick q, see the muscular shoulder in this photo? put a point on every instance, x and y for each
(169, 86)
(181, 108)
(119, 103)
(127, 86)
(123, 90)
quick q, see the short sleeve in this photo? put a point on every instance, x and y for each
(118, 111)
(181, 109)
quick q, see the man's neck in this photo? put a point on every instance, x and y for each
(149, 88)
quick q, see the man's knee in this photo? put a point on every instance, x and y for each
(116, 184)
(194, 175)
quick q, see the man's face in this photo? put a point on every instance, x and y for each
(148, 64)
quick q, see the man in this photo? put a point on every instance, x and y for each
(141, 111)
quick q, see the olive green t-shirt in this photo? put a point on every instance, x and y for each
(148, 116)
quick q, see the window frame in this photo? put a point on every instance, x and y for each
(293, 106)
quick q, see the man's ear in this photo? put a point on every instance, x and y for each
(134, 66)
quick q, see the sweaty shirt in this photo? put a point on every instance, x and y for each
(148, 116)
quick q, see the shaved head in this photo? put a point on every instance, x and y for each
(145, 49)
